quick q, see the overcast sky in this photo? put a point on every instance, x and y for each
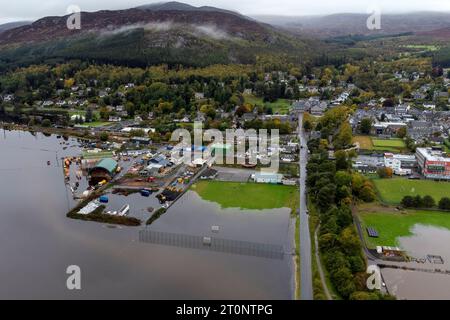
(13, 10)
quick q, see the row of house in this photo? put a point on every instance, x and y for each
(313, 105)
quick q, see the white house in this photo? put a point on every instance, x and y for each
(398, 162)
(146, 130)
(78, 117)
(199, 95)
(114, 119)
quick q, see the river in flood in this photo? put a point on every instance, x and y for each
(405, 284)
(38, 242)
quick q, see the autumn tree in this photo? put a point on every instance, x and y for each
(385, 172)
(344, 136)
(401, 133)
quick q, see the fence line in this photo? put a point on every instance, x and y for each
(254, 249)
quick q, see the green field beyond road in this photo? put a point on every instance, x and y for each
(393, 190)
(393, 145)
(248, 195)
(392, 225)
(95, 124)
(281, 106)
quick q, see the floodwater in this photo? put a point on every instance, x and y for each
(38, 242)
(405, 284)
(139, 205)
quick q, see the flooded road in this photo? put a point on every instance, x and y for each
(38, 243)
(426, 240)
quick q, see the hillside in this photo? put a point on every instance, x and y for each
(342, 24)
(439, 34)
(171, 33)
(12, 25)
(173, 5)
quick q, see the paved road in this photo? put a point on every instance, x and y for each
(306, 291)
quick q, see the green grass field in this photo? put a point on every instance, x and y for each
(98, 155)
(281, 106)
(392, 191)
(248, 195)
(392, 145)
(392, 225)
(365, 142)
(95, 124)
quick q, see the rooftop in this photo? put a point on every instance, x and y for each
(433, 155)
(108, 164)
(387, 124)
(267, 175)
(399, 156)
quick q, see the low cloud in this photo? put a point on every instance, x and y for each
(210, 31)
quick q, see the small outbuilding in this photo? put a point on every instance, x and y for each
(274, 178)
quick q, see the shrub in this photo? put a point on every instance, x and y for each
(417, 202)
(428, 202)
(444, 203)
(104, 136)
(407, 202)
(46, 123)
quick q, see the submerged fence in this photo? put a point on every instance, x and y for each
(254, 249)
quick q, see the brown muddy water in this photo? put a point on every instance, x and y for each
(38, 242)
(405, 284)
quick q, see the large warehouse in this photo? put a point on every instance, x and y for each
(105, 169)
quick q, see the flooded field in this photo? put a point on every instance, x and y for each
(262, 226)
(414, 285)
(426, 240)
(38, 242)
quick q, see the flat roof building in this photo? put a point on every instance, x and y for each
(261, 177)
(401, 164)
(433, 163)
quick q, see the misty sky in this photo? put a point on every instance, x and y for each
(33, 9)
